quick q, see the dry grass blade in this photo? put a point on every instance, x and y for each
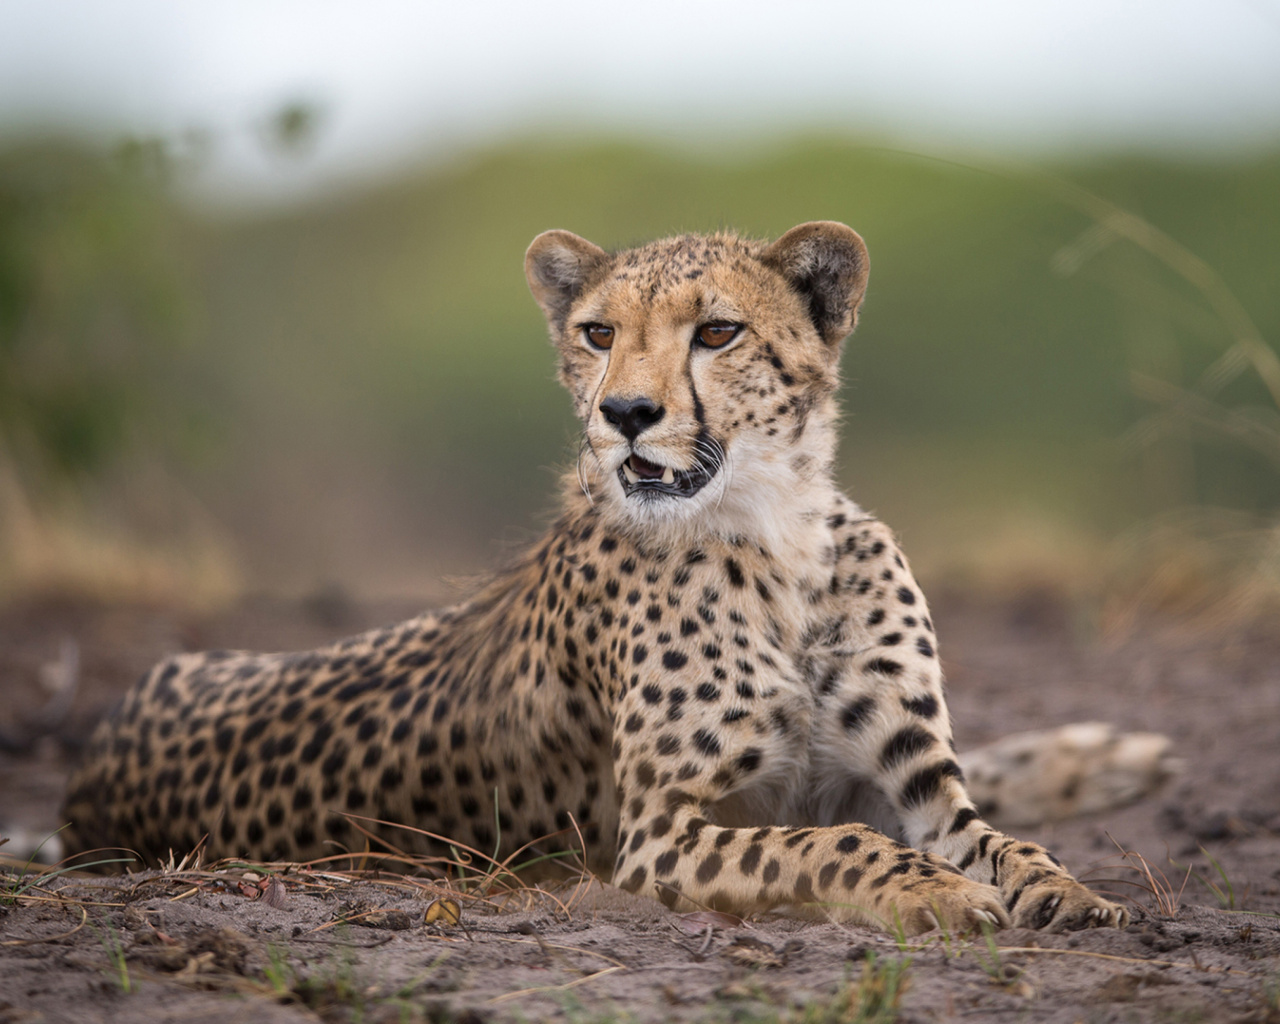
(84, 919)
(502, 876)
(1153, 881)
(1108, 217)
(1257, 428)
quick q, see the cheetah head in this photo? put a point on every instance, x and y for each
(702, 366)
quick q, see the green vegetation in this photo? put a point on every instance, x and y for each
(113, 946)
(383, 343)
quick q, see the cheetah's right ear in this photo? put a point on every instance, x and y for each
(827, 263)
(558, 266)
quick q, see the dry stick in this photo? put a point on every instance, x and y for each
(553, 988)
(63, 900)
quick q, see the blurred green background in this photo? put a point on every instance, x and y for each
(357, 392)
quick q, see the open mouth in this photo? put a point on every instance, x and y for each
(642, 476)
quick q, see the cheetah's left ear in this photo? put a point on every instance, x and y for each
(827, 263)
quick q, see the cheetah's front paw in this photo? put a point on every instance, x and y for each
(1058, 903)
(951, 902)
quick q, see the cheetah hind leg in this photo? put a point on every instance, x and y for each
(1033, 777)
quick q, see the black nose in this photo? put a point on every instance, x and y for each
(632, 416)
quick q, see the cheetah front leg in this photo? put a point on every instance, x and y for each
(882, 717)
(672, 780)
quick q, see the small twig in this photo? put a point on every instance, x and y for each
(706, 940)
(554, 988)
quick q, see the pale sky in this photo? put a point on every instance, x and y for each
(402, 81)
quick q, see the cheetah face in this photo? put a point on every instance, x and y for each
(697, 363)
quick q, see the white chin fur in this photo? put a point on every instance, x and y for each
(756, 493)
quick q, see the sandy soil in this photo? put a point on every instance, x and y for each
(199, 947)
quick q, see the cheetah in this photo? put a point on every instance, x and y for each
(715, 671)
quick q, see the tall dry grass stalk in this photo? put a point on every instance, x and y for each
(1216, 568)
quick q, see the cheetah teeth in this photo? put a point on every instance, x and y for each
(668, 474)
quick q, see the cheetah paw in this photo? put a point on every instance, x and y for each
(1061, 904)
(958, 905)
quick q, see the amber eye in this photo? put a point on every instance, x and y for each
(599, 335)
(717, 335)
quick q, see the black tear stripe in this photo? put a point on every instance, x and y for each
(699, 413)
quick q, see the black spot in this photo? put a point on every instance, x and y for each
(224, 738)
(884, 666)
(673, 660)
(706, 743)
(651, 694)
(924, 647)
(925, 707)
(904, 744)
(666, 863)
(926, 782)
(856, 713)
(771, 872)
(735, 573)
(848, 844)
(709, 868)
(876, 617)
(906, 595)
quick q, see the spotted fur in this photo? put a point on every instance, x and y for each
(724, 675)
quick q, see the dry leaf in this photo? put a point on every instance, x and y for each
(443, 911)
(273, 893)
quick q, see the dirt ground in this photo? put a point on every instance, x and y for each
(205, 947)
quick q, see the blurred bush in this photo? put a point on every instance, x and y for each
(96, 310)
(92, 303)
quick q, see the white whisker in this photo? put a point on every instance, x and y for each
(583, 482)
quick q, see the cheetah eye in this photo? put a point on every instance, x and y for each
(717, 335)
(598, 336)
